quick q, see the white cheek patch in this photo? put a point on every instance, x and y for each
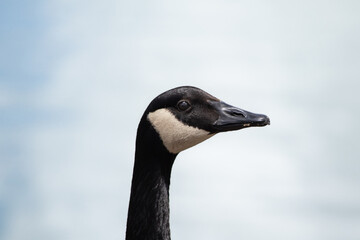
(175, 135)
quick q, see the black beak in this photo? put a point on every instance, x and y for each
(233, 118)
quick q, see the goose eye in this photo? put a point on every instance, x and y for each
(183, 105)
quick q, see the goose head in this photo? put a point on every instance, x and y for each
(185, 116)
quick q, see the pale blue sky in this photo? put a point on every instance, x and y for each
(76, 76)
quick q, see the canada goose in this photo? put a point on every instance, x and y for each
(174, 121)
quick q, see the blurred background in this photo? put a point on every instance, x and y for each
(76, 76)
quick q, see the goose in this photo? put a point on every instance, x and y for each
(174, 121)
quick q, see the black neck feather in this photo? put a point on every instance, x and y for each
(148, 216)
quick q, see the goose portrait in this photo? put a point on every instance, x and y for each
(174, 121)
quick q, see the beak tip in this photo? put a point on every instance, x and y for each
(267, 120)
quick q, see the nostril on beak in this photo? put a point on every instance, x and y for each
(236, 112)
